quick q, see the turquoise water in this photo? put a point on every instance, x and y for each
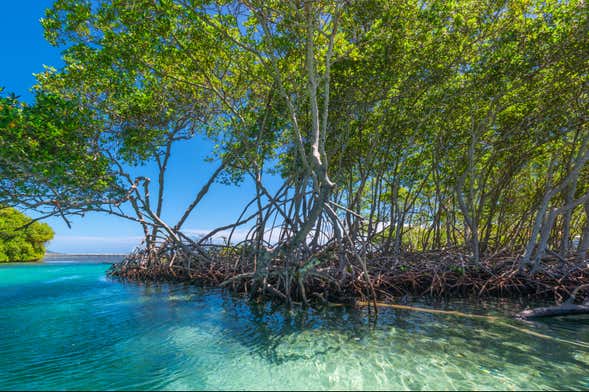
(66, 326)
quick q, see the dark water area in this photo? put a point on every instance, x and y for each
(65, 325)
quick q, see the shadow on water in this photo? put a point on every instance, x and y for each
(262, 328)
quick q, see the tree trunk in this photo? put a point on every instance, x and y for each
(566, 224)
(584, 243)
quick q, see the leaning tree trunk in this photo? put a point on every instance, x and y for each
(551, 191)
(584, 243)
(566, 224)
(550, 223)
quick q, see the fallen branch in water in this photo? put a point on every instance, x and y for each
(427, 310)
(550, 311)
(565, 309)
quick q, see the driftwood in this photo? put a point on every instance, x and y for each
(565, 309)
(559, 310)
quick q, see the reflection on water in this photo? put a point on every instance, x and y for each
(67, 327)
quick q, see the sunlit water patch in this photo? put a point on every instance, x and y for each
(64, 326)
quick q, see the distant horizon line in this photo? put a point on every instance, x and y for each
(50, 253)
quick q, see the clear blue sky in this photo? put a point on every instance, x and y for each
(24, 52)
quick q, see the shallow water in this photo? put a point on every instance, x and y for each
(66, 326)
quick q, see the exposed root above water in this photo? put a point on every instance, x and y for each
(319, 277)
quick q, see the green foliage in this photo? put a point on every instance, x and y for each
(447, 121)
(457, 269)
(21, 240)
(451, 101)
(48, 154)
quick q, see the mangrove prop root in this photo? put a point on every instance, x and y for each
(437, 274)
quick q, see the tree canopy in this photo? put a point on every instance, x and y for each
(397, 126)
(49, 161)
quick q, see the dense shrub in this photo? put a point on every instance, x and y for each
(19, 243)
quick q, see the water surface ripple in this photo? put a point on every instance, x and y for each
(67, 327)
